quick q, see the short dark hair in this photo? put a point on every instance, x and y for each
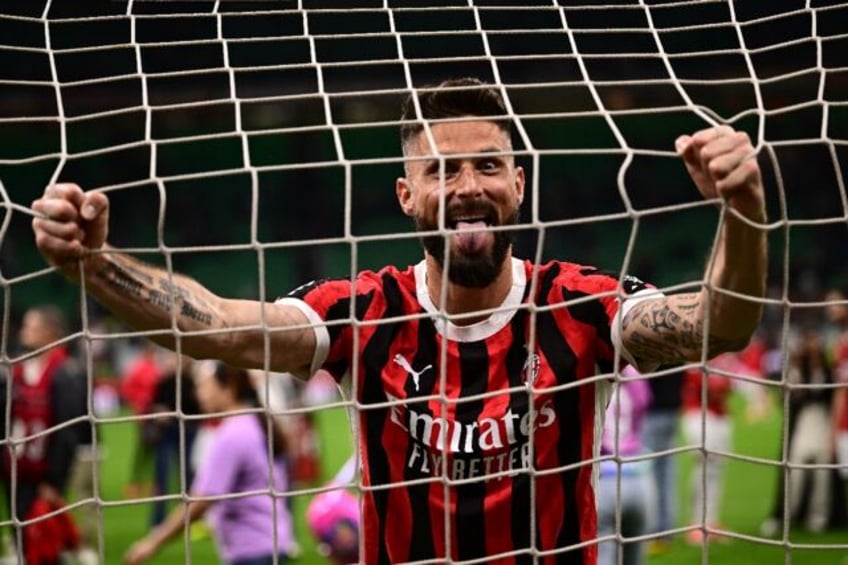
(454, 98)
(244, 390)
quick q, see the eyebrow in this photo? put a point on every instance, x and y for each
(427, 161)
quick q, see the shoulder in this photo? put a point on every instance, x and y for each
(364, 281)
(238, 426)
(589, 279)
(236, 434)
(573, 277)
(373, 293)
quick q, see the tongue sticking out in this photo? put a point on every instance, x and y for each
(471, 237)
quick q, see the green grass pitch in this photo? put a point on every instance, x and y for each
(747, 497)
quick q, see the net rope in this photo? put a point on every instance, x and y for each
(775, 80)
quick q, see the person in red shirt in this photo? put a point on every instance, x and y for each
(48, 389)
(137, 388)
(472, 372)
(837, 314)
(707, 424)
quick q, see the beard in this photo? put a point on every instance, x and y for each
(477, 270)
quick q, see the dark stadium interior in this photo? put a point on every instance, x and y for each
(285, 75)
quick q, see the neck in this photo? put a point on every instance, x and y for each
(464, 301)
(48, 354)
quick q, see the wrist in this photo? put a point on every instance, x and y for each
(751, 207)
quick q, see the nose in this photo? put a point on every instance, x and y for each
(468, 183)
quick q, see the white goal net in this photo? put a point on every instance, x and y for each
(254, 146)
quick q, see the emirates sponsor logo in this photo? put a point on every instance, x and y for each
(479, 436)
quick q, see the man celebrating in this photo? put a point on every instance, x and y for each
(472, 370)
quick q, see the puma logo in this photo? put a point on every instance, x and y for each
(416, 375)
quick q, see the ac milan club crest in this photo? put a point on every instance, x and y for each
(531, 369)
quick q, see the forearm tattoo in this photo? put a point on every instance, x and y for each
(672, 330)
(127, 279)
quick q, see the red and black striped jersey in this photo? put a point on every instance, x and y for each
(476, 440)
(32, 413)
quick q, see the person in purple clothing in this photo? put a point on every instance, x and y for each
(624, 507)
(252, 529)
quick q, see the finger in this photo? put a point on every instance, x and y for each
(746, 176)
(736, 142)
(683, 144)
(695, 166)
(93, 205)
(66, 191)
(62, 230)
(724, 163)
(708, 135)
(685, 147)
(95, 211)
(57, 250)
(56, 209)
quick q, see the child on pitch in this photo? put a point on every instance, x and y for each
(625, 488)
(333, 518)
(253, 528)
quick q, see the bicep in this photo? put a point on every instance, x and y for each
(664, 329)
(263, 334)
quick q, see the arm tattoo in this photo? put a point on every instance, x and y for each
(670, 331)
(123, 279)
(128, 280)
(190, 311)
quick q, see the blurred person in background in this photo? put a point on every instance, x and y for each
(284, 394)
(47, 389)
(333, 517)
(250, 529)
(170, 435)
(625, 489)
(709, 427)
(816, 500)
(87, 458)
(137, 388)
(659, 433)
(837, 341)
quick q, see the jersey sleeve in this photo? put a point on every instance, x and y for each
(331, 305)
(625, 305)
(616, 300)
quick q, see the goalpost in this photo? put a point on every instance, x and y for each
(254, 146)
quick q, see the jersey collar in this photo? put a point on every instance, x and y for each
(484, 328)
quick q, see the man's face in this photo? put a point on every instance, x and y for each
(36, 332)
(480, 191)
(207, 390)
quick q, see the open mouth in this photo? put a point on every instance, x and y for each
(471, 235)
(469, 222)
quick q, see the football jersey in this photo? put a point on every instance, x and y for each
(477, 441)
(32, 415)
(840, 373)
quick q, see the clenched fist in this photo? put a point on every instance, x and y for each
(68, 224)
(722, 163)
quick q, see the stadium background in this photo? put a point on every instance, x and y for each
(307, 203)
(301, 211)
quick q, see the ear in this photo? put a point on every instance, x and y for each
(403, 190)
(519, 183)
